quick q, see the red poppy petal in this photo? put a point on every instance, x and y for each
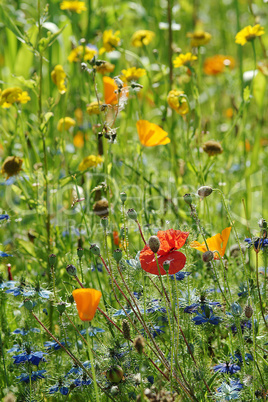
(148, 263)
(171, 240)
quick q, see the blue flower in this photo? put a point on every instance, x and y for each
(135, 262)
(8, 284)
(63, 390)
(259, 244)
(77, 369)
(2, 254)
(206, 316)
(226, 368)
(79, 382)
(155, 330)
(33, 357)
(34, 376)
(92, 331)
(3, 217)
(24, 332)
(238, 356)
(155, 306)
(179, 276)
(230, 391)
(15, 348)
(121, 312)
(54, 345)
(99, 267)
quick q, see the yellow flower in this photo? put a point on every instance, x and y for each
(87, 301)
(184, 60)
(199, 38)
(178, 102)
(151, 134)
(79, 140)
(104, 67)
(142, 37)
(110, 41)
(248, 34)
(132, 74)
(76, 6)
(81, 53)
(12, 95)
(93, 108)
(11, 166)
(58, 76)
(65, 123)
(90, 161)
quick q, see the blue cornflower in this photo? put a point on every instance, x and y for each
(54, 345)
(2, 254)
(33, 357)
(257, 242)
(179, 276)
(226, 368)
(206, 316)
(92, 331)
(34, 376)
(4, 217)
(229, 391)
(24, 332)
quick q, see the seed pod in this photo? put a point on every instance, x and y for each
(71, 270)
(208, 256)
(115, 374)
(139, 344)
(80, 252)
(126, 329)
(123, 197)
(28, 304)
(204, 191)
(117, 254)
(61, 307)
(104, 222)
(132, 214)
(248, 311)
(52, 259)
(188, 199)
(94, 248)
(166, 265)
(154, 244)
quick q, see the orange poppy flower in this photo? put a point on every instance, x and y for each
(170, 241)
(151, 134)
(110, 86)
(116, 238)
(217, 242)
(217, 64)
(87, 301)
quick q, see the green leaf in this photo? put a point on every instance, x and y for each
(7, 21)
(44, 43)
(259, 88)
(246, 94)
(27, 246)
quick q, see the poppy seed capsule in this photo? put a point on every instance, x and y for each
(132, 214)
(139, 344)
(104, 222)
(123, 197)
(204, 191)
(71, 270)
(115, 374)
(52, 259)
(61, 307)
(28, 304)
(154, 244)
(117, 254)
(188, 199)
(248, 311)
(94, 248)
(80, 252)
(166, 265)
(208, 256)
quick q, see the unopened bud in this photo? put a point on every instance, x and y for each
(52, 259)
(188, 199)
(94, 248)
(248, 311)
(132, 214)
(208, 256)
(71, 270)
(154, 244)
(28, 304)
(117, 254)
(123, 197)
(139, 344)
(80, 252)
(61, 307)
(115, 374)
(204, 191)
(126, 329)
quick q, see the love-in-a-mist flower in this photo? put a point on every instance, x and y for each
(87, 301)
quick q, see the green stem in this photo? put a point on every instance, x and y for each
(92, 365)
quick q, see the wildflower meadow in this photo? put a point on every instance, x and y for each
(133, 215)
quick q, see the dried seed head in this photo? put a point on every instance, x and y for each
(248, 311)
(139, 344)
(126, 329)
(11, 166)
(212, 148)
(154, 244)
(204, 191)
(101, 208)
(208, 256)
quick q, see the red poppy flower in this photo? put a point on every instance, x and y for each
(170, 241)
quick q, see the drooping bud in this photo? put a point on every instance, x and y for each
(52, 259)
(94, 248)
(248, 311)
(208, 256)
(28, 304)
(123, 197)
(61, 307)
(126, 329)
(104, 222)
(115, 374)
(166, 265)
(80, 252)
(236, 309)
(117, 254)
(188, 199)
(154, 244)
(132, 214)
(71, 270)
(139, 344)
(204, 191)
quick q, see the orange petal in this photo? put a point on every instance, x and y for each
(109, 88)
(87, 301)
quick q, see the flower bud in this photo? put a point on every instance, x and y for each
(28, 304)
(61, 307)
(208, 256)
(115, 374)
(204, 191)
(71, 270)
(154, 244)
(70, 298)
(94, 248)
(236, 309)
(188, 199)
(126, 329)
(132, 214)
(123, 197)
(80, 252)
(52, 259)
(104, 222)
(117, 254)
(248, 311)
(166, 265)
(139, 344)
